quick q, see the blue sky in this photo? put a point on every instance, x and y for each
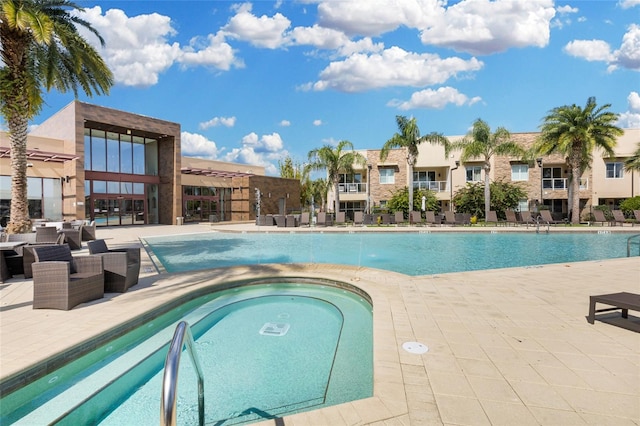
(257, 81)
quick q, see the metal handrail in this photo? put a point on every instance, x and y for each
(170, 379)
(629, 244)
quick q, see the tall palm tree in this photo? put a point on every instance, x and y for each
(335, 161)
(481, 143)
(40, 47)
(409, 138)
(575, 132)
(633, 162)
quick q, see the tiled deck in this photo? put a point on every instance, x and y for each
(508, 346)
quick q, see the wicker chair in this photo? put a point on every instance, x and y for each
(61, 281)
(46, 234)
(121, 266)
(89, 231)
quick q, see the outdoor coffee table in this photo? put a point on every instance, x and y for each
(7, 246)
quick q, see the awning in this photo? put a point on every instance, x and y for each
(36, 154)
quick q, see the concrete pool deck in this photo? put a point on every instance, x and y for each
(506, 346)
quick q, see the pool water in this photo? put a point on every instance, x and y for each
(266, 350)
(407, 253)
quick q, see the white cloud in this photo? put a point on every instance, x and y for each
(262, 151)
(218, 121)
(627, 56)
(137, 49)
(195, 145)
(590, 50)
(266, 143)
(631, 119)
(330, 39)
(392, 67)
(626, 4)
(566, 9)
(435, 99)
(483, 27)
(317, 123)
(263, 31)
(285, 123)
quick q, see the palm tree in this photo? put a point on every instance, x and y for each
(481, 143)
(633, 162)
(409, 138)
(40, 47)
(335, 161)
(575, 132)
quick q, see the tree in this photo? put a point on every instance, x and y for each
(575, 132)
(294, 170)
(504, 196)
(633, 162)
(41, 47)
(409, 138)
(481, 143)
(399, 201)
(335, 161)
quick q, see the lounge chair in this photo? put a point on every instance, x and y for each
(511, 217)
(492, 217)
(599, 217)
(463, 219)
(399, 218)
(358, 218)
(387, 219)
(545, 216)
(61, 281)
(526, 218)
(281, 221)
(121, 266)
(290, 221)
(449, 218)
(415, 218)
(618, 217)
(636, 214)
(623, 301)
(431, 219)
(304, 219)
(341, 219)
(323, 219)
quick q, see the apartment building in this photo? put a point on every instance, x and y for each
(119, 168)
(545, 179)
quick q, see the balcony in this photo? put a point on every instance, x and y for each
(435, 185)
(562, 184)
(352, 188)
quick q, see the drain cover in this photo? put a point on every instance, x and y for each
(274, 329)
(415, 347)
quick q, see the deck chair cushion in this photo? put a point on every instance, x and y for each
(56, 253)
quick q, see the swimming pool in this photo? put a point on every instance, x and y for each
(267, 349)
(407, 253)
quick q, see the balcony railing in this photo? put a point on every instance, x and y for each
(352, 188)
(562, 184)
(436, 185)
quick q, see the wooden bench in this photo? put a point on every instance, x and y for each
(623, 301)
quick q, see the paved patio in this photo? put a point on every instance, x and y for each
(507, 346)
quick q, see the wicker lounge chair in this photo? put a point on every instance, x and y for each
(61, 281)
(399, 219)
(492, 217)
(545, 216)
(290, 221)
(431, 219)
(526, 218)
(304, 219)
(415, 218)
(323, 219)
(358, 218)
(511, 217)
(121, 266)
(341, 219)
(623, 301)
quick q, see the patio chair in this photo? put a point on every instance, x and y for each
(492, 217)
(73, 237)
(545, 216)
(61, 281)
(121, 266)
(290, 221)
(599, 217)
(449, 218)
(415, 218)
(511, 217)
(431, 219)
(341, 219)
(358, 218)
(46, 234)
(305, 219)
(323, 219)
(89, 231)
(281, 221)
(399, 219)
(636, 214)
(618, 217)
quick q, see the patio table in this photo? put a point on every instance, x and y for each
(5, 274)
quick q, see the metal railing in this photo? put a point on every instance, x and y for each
(352, 188)
(181, 337)
(435, 185)
(630, 242)
(562, 184)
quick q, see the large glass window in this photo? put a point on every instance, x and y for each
(139, 161)
(474, 173)
(615, 170)
(44, 198)
(150, 157)
(519, 172)
(98, 151)
(113, 153)
(387, 176)
(87, 149)
(126, 152)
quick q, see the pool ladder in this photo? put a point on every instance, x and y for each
(181, 337)
(630, 242)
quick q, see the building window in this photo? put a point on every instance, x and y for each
(474, 173)
(615, 171)
(387, 176)
(519, 172)
(523, 205)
